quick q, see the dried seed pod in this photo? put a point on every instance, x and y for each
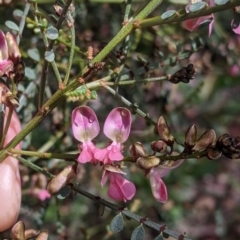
(185, 74)
(42, 236)
(137, 150)
(148, 162)
(17, 231)
(214, 154)
(229, 146)
(61, 179)
(158, 146)
(206, 140)
(163, 131)
(31, 233)
(191, 136)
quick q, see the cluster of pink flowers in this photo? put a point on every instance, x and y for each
(193, 24)
(117, 127)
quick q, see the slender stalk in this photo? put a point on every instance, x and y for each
(9, 117)
(44, 154)
(179, 18)
(70, 60)
(34, 167)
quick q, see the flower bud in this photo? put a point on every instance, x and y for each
(148, 162)
(31, 233)
(3, 47)
(61, 179)
(13, 50)
(207, 139)
(163, 131)
(158, 146)
(191, 136)
(17, 232)
(214, 154)
(42, 236)
(137, 150)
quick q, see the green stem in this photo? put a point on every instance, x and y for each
(70, 60)
(34, 167)
(9, 117)
(179, 18)
(44, 154)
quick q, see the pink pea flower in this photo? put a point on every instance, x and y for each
(116, 127)
(158, 187)
(119, 189)
(9, 53)
(10, 183)
(193, 24)
(85, 127)
(38, 187)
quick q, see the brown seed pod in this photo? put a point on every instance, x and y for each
(148, 162)
(137, 150)
(61, 179)
(17, 232)
(206, 140)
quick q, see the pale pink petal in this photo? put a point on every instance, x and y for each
(158, 187)
(85, 124)
(3, 47)
(43, 194)
(87, 153)
(109, 154)
(101, 155)
(120, 189)
(118, 124)
(235, 24)
(5, 67)
(115, 156)
(13, 50)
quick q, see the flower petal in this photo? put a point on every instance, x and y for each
(159, 189)
(85, 124)
(235, 24)
(118, 124)
(120, 189)
(13, 50)
(87, 153)
(3, 47)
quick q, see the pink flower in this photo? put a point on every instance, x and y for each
(235, 23)
(85, 127)
(159, 189)
(41, 194)
(194, 23)
(119, 189)
(9, 53)
(10, 183)
(116, 127)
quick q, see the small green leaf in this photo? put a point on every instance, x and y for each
(117, 223)
(52, 33)
(17, 14)
(12, 25)
(197, 6)
(49, 56)
(159, 237)
(34, 54)
(30, 73)
(138, 233)
(221, 2)
(168, 14)
(64, 192)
